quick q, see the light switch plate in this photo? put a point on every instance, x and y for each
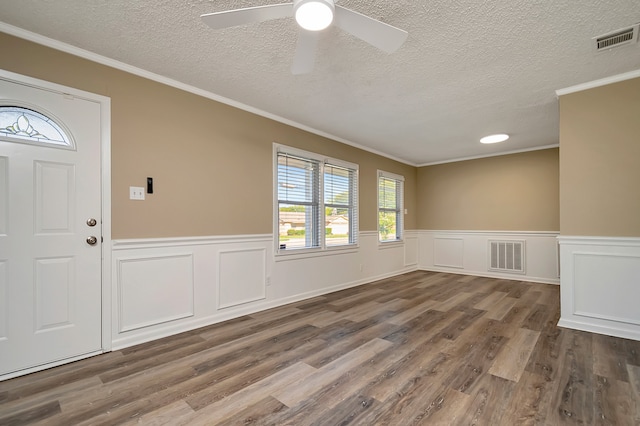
(136, 193)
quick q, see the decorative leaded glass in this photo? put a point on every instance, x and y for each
(32, 126)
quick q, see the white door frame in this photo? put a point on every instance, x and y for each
(105, 176)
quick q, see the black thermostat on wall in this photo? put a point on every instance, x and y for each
(149, 185)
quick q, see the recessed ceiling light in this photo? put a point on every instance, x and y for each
(494, 138)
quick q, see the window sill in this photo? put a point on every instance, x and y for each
(390, 244)
(295, 254)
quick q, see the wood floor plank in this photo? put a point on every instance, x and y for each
(259, 369)
(299, 391)
(409, 314)
(501, 308)
(574, 384)
(634, 381)
(491, 397)
(255, 413)
(612, 402)
(609, 358)
(242, 399)
(167, 415)
(449, 409)
(15, 406)
(417, 348)
(527, 400)
(451, 302)
(321, 403)
(514, 356)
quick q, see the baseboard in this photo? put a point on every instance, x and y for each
(513, 277)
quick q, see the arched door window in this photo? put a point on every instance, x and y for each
(26, 125)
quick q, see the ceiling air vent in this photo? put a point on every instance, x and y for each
(616, 38)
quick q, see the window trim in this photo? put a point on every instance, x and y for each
(399, 209)
(322, 249)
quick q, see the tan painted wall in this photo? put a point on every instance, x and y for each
(517, 192)
(211, 163)
(600, 161)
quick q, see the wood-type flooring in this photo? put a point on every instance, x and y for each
(419, 348)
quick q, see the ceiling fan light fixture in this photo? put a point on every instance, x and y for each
(501, 137)
(314, 15)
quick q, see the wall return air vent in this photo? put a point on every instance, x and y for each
(506, 256)
(616, 38)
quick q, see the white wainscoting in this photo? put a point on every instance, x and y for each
(600, 285)
(166, 286)
(467, 252)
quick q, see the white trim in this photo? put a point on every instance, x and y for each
(599, 328)
(512, 277)
(600, 241)
(144, 243)
(598, 83)
(489, 233)
(94, 57)
(389, 175)
(497, 154)
(295, 254)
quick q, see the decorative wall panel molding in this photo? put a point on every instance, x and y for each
(3, 300)
(154, 289)
(468, 252)
(410, 248)
(600, 285)
(448, 252)
(242, 277)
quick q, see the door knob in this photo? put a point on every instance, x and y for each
(91, 222)
(92, 240)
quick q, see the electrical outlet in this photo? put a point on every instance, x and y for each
(136, 193)
(268, 281)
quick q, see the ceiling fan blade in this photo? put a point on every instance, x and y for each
(305, 52)
(383, 36)
(250, 15)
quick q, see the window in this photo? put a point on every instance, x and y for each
(317, 201)
(25, 125)
(390, 206)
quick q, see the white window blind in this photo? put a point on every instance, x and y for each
(299, 200)
(390, 206)
(340, 201)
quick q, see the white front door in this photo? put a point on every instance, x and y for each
(50, 274)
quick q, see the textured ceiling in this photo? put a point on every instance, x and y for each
(468, 68)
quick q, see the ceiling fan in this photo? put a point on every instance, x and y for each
(313, 16)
